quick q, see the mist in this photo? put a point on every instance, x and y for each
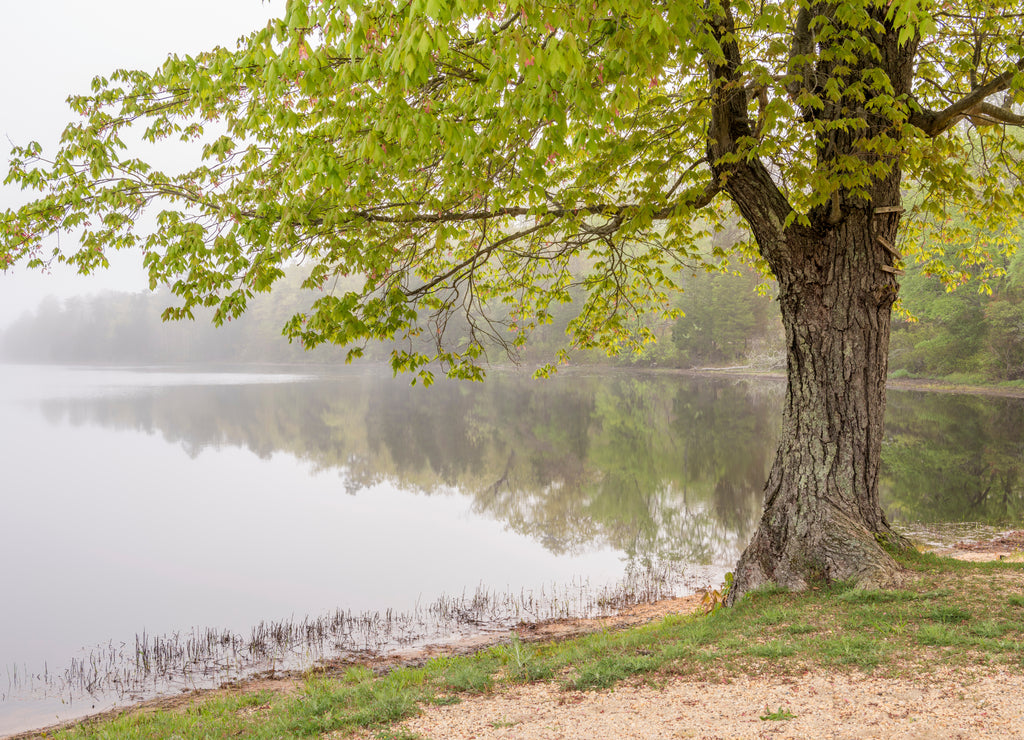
(52, 50)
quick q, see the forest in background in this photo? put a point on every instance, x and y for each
(964, 335)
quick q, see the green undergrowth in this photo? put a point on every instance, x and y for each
(948, 614)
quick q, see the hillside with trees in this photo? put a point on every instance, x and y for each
(964, 335)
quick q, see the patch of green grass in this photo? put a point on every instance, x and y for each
(765, 592)
(779, 715)
(800, 628)
(864, 596)
(836, 588)
(454, 673)
(1017, 600)
(858, 650)
(939, 635)
(443, 701)
(776, 615)
(697, 632)
(255, 699)
(928, 562)
(989, 628)
(222, 717)
(356, 674)
(469, 676)
(893, 627)
(949, 614)
(606, 672)
(738, 642)
(327, 705)
(772, 650)
(880, 618)
(1011, 647)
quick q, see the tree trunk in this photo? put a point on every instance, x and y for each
(822, 521)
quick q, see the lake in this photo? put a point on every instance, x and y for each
(148, 512)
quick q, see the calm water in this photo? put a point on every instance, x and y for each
(161, 501)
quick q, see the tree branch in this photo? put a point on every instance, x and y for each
(472, 262)
(799, 52)
(730, 137)
(613, 212)
(986, 113)
(934, 123)
(477, 258)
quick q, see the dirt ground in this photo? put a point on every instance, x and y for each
(819, 705)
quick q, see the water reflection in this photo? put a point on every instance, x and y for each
(954, 458)
(655, 467)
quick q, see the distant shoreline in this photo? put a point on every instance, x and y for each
(929, 385)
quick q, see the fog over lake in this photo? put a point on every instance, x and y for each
(161, 500)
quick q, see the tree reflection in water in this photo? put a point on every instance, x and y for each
(954, 458)
(658, 466)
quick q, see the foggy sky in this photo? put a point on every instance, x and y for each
(53, 48)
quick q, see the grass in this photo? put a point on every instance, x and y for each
(779, 715)
(951, 614)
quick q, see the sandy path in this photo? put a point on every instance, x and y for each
(823, 706)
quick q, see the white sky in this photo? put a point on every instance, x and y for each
(53, 48)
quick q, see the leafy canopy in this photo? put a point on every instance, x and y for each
(434, 158)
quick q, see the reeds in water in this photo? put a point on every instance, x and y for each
(205, 657)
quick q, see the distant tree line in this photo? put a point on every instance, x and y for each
(963, 335)
(118, 328)
(725, 322)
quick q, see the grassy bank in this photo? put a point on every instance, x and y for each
(949, 613)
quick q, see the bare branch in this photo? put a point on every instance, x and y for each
(934, 123)
(986, 113)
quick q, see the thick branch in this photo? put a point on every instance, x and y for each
(934, 123)
(611, 211)
(730, 138)
(799, 55)
(986, 113)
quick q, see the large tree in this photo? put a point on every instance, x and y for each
(483, 159)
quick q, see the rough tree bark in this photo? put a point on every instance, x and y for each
(822, 520)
